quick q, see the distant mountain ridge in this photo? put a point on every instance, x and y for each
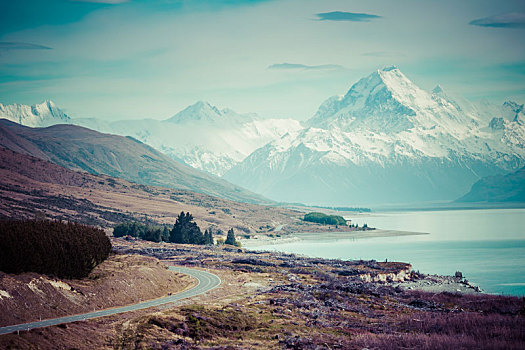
(499, 188)
(202, 136)
(387, 141)
(79, 148)
(38, 115)
(203, 111)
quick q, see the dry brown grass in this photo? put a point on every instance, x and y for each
(120, 280)
(280, 301)
(29, 185)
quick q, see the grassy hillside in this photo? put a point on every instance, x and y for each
(29, 186)
(86, 150)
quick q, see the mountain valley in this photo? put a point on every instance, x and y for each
(386, 141)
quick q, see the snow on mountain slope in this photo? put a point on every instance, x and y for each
(202, 135)
(202, 111)
(38, 115)
(387, 101)
(387, 140)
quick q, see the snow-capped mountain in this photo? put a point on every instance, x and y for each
(387, 140)
(203, 112)
(38, 115)
(387, 101)
(202, 136)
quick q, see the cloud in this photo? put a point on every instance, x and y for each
(346, 16)
(513, 68)
(291, 66)
(4, 45)
(382, 54)
(103, 1)
(507, 20)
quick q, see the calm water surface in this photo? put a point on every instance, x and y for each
(488, 246)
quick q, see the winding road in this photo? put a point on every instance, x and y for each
(206, 282)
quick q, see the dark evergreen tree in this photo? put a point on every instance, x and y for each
(149, 232)
(208, 237)
(230, 237)
(153, 234)
(177, 233)
(186, 231)
(165, 234)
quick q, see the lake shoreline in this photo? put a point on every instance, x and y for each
(328, 236)
(428, 282)
(486, 245)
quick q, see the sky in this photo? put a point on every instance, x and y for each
(118, 59)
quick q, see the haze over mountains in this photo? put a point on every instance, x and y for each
(79, 148)
(499, 188)
(385, 141)
(202, 136)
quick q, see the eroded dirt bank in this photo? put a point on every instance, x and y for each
(120, 280)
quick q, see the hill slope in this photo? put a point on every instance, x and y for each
(30, 186)
(83, 149)
(500, 188)
(202, 136)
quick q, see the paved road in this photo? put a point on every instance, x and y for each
(207, 281)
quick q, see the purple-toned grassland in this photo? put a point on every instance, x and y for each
(326, 304)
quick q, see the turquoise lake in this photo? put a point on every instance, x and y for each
(487, 246)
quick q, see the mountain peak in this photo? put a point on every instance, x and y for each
(47, 106)
(199, 111)
(437, 90)
(38, 115)
(390, 77)
(387, 101)
(389, 68)
(385, 92)
(393, 74)
(513, 106)
(204, 105)
(204, 112)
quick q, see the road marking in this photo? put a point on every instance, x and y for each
(206, 282)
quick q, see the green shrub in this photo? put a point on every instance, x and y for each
(62, 249)
(324, 219)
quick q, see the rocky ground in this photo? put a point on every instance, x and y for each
(281, 301)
